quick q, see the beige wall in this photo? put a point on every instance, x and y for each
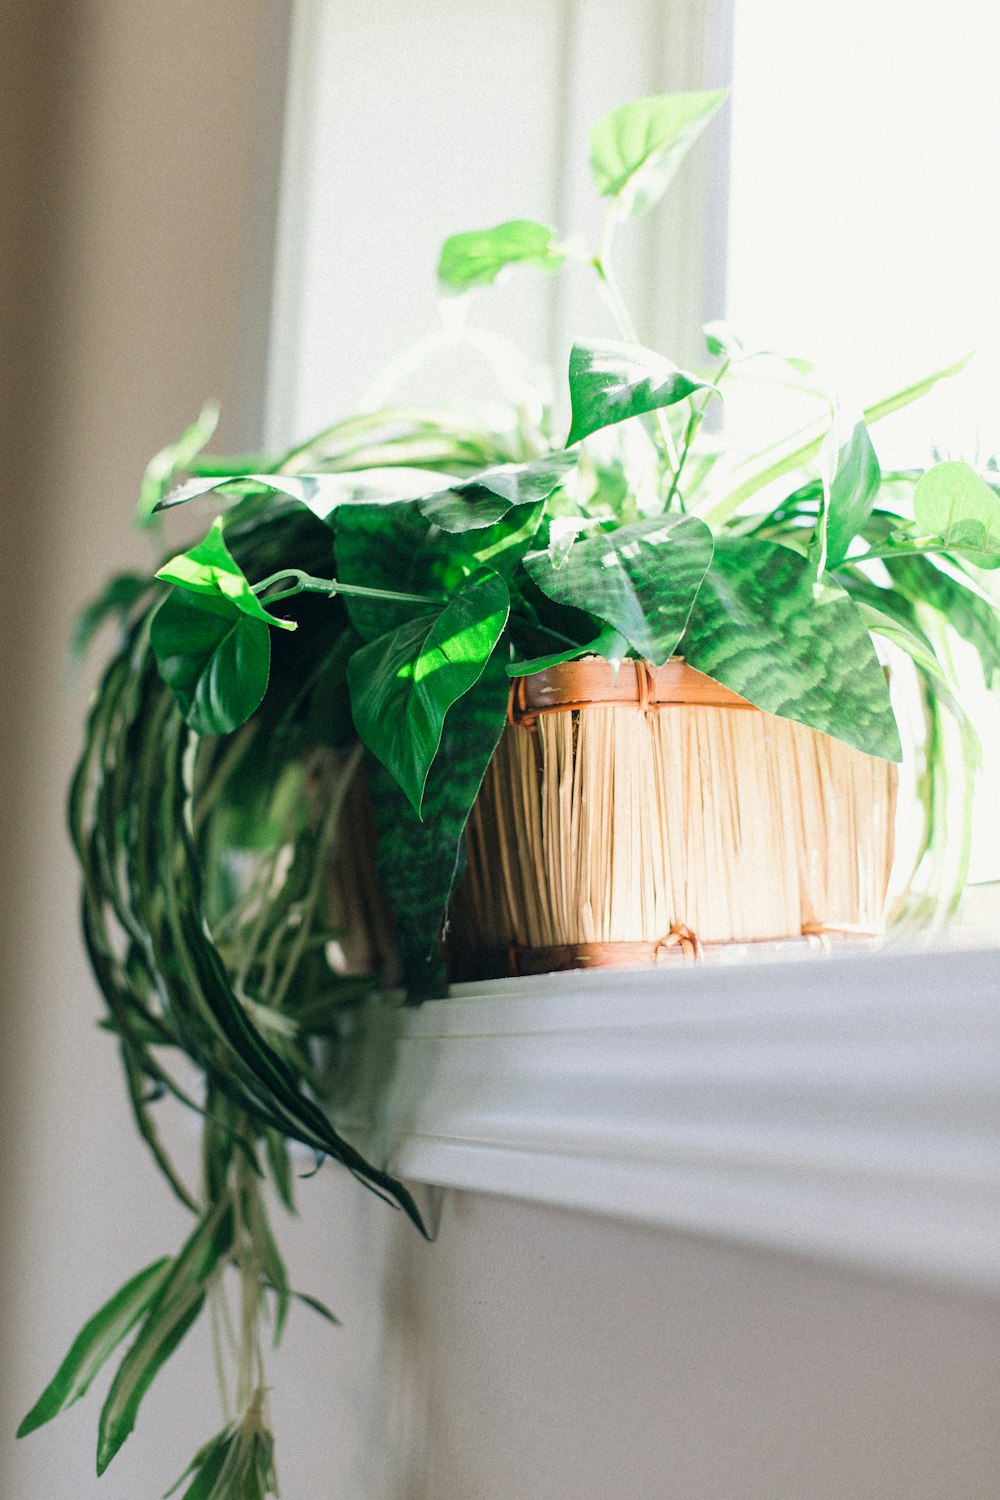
(136, 217)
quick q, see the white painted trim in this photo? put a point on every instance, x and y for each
(847, 1108)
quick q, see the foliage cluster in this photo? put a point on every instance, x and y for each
(369, 595)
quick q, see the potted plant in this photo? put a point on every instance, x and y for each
(331, 669)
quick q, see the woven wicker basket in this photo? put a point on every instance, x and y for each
(651, 814)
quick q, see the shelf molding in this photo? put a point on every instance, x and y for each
(847, 1108)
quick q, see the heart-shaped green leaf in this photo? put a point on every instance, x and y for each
(477, 257)
(214, 658)
(952, 502)
(635, 150)
(609, 382)
(403, 684)
(850, 494)
(642, 579)
(95, 1343)
(764, 627)
(210, 569)
(486, 498)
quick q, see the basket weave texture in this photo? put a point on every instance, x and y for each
(641, 815)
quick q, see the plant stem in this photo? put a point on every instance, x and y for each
(695, 420)
(305, 583)
(619, 311)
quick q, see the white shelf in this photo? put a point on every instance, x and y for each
(847, 1107)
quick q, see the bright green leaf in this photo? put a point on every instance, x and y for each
(642, 579)
(174, 459)
(403, 684)
(952, 502)
(851, 494)
(214, 658)
(486, 498)
(635, 150)
(609, 382)
(973, 617)
(477, 257)
(763, 627)
(95, 1343)
(209, 568)
(609, 644)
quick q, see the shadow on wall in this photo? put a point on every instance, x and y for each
(140, 148)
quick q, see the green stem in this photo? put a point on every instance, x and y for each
(619, 311)
(695, 420)
(305, 583)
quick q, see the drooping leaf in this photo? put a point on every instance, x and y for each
(214, 657)
(118, 596)
(636, 150)
(801, 450)
(486, 498)
(95, 1344)
(610, 382)
(175, 1308)
(764, 627)
(210, 569)
(404, 683)
(418, 860)
(174, 459)
(952, 502)
(205, 1466)
(320, 493)
(477, 257)
(850, 494)
(968, 613)
(609, 644)
(642, 579)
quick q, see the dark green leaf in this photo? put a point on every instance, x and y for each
(609, 382)
(952, 502)
(119, 595)
(477, 257)
(851, 494)
(95, 1343)
(419, 860)
(403, 684)
(173, 459)
(635, 150)
(383, 546)
(486, 498)
(206, 1465)
(209, 569)
(762, 626)
(317, 1306)
(172, 1313)
(642, 579)
(214, 658)
(280, 1164)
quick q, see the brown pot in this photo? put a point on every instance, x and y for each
(648, 814)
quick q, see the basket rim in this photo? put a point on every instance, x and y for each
(595, 682)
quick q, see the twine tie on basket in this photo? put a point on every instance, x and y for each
(681, 936)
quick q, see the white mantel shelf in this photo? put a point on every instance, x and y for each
(847, 1108)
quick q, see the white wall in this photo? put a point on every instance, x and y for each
(130, 196)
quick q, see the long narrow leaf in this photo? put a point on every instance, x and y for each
(95, 1344)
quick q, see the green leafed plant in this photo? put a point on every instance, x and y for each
(358, 610)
